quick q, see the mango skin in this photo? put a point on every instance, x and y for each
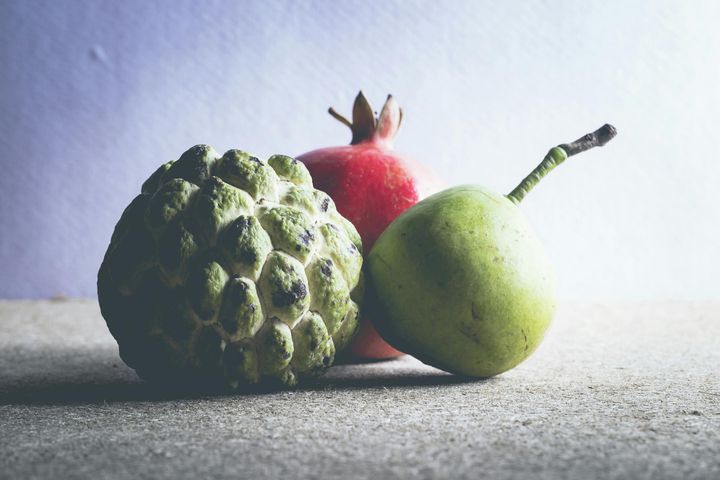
(461, 282)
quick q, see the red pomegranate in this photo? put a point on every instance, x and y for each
(371, 184)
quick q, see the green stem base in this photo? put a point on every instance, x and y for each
(558, 155)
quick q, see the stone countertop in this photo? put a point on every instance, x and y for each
(617, 390)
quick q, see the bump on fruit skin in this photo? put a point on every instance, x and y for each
(216, 273)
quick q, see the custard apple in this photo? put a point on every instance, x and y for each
(230, 270)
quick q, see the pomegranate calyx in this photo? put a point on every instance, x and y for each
(365, 126)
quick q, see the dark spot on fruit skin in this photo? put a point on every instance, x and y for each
(326, 361)
(297, 292)
(306, 237)
(235, 231)
(240, 225)
(192, 165)
(252, 307)
(256, 161)
(239, 291)
(200, 149)
(277, 343)
(247, 256)
(475, 315)
(526, 341)
(326, 267)
(313, 344)
(325, 204)
(466, 331)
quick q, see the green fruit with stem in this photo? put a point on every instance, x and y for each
(461, 281)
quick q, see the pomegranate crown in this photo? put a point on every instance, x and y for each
(365, 126)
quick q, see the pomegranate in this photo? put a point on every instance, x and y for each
(371, 184)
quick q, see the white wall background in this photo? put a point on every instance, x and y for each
(95, 94)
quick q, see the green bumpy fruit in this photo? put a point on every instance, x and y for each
(231, 271)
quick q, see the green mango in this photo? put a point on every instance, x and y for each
(461, 281)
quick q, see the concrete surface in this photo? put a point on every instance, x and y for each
(616, 391)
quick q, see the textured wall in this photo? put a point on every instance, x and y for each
(95, 94)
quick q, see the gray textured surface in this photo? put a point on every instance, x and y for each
(616, 391)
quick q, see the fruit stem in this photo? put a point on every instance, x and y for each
(340, 118)
(559, 154)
